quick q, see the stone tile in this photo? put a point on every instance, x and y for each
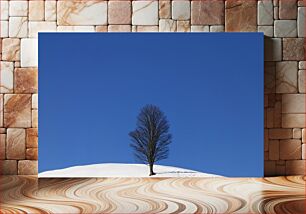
(280, 170)
(267, 30)
(119, 12)
(275, 13)
(277, 117)
(295, 167)
(17, 110)
(164, 9)
(18, 8)
(34, 118)
(303, 135)
(32, 154)
(17, 64)
(26, 80)
(4, 29)
(278, 97)
(1, 110)
(287, 9)
(274, 150)
(32, 138)
(269, 77)
(293, 49)
(50, 10)
(301, 3)
(266, 139)
(240, 15)
(2, 130)
(281, 162)
(4, 8)
(272, 100)
(147, 28)
(280, 133)
(29, 53)
(269, 168)
(207, 12)
(2, 146)
(101, 28)
(286, 77)
(119, 28)
(303, 151)
(293, 121)
(278, 114)
(273, 49)
(302, 65)
(18, 27)
(27, 167)
(216, 28)
(183, 26)
(15, 144)
(36, 10)
(8, 167)
(11, 49)
(266, 100)
(265, 12)
(6, 77)
(285, 28)
(266, 155)
(89, 12)
(290, 149)
(167, 25)
(34, 101)
(270, 117)
(145, 13)
(265, 117)
(301, 83)
(36, 27)
(134, 28)
(199, 28)
(297, 133)
(180, 10)
(293, 103)
(301, 22)
(75, 29)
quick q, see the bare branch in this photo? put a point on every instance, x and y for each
(151, 139)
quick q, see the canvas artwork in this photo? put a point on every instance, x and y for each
(151, 105)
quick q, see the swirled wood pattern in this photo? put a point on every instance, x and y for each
(27, 194)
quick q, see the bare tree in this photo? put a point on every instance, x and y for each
(150, 139)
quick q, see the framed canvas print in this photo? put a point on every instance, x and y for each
(163, 105)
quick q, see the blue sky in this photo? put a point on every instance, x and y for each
(209, 85)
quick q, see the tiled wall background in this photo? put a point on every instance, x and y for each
(282, 21)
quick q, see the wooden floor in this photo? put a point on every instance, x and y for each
(138, 195)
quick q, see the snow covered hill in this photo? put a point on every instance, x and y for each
(123, 170)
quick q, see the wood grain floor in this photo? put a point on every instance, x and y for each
(27, 194)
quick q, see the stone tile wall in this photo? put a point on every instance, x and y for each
(282, 21)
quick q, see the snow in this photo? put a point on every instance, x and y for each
(122, 170)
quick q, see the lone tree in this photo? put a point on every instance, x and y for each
(150, 139)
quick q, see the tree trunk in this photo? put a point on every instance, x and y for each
(151, 170)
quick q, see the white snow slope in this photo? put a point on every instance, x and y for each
(122, 170)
